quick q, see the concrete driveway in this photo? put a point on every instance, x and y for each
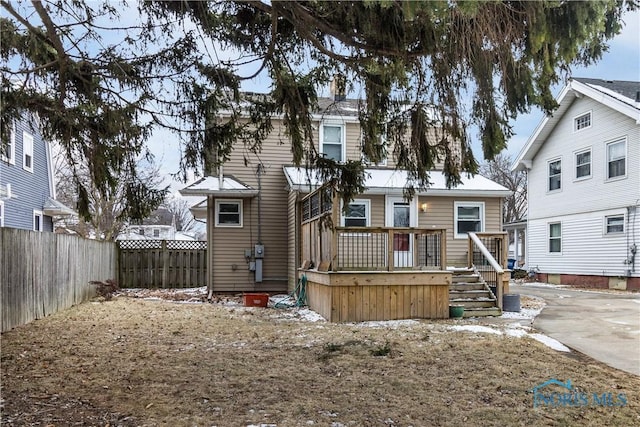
(602, 325)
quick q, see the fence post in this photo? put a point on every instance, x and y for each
(165, 264)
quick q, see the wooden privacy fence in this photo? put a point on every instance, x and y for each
(42, 273)
(162, 263)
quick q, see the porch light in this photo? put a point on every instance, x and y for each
(423, 207)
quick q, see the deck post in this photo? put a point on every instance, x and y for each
(390, 234)
(443, 249)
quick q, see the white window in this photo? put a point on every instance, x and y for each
(156, 232)
(468, 217)
(228, 213)
(583, 121)
(555, 175)
(1, 213)
(27, 151)
(37, 221)
(357, 214)
(614, 224)
(332, 141)
(617, 159)
(583, 164)
(555, 237)
(9, 154)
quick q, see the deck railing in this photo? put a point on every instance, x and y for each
(488, 255)
(388, 249)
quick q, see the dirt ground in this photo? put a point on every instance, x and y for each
(175, 360)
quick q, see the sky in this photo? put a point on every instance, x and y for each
(621, 62)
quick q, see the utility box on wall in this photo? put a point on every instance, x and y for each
(258, 254)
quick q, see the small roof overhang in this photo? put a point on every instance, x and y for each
(52, 207)
(392, 181)
(199, 210)
(226, 186)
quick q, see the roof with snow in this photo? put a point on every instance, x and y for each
(621, 96)
(226, 186)
(393, 181)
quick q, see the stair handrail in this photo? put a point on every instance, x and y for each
(496, 266)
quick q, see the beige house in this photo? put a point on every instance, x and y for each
(254, 210)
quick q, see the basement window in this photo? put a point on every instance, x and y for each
(228, 213)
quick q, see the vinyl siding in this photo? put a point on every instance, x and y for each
(586, 249)
(581, 205)
(29, 189)
(279, 220)
(440, 214)
(591, 194)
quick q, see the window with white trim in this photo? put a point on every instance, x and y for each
(555, 175)
(617, 159)
(156, 232)
(583, 121)
(358, 214)
(555, 237)
(9, 154)
(27, 151)
(332, 141)
(583, 164)
(614, 224)
(228, 213)
(37, 221)
(468, 217)
(1, 213)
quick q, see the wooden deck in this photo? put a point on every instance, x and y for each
(367, 296)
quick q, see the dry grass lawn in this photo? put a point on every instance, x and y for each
(139, 362)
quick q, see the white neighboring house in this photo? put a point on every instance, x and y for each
(583, 164)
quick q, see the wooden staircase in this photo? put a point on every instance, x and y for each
(470, 290)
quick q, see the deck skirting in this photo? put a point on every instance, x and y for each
(358, 297)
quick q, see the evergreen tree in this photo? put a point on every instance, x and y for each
(100, 82)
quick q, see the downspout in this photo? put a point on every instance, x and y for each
(259, 173)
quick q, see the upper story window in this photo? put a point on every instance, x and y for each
(555, 175)
(583, 164)
(332, 138)
(617, 159)
(156, 232)
(358, 214)
(228, 213)
(9, 154)
(555, 237)
(614, 224)
(468, 217)
(583, 121)
(27, 151)
(37, 221)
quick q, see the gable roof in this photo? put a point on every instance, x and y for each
(390, 181)
(621, 96)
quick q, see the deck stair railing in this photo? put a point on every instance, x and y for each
(487, 254)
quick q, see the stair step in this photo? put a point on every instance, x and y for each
(469, 278)
(476, 303)
(471, 294)
(467, 286)
(482, 312)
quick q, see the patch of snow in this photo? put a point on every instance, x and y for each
(524, 314)
(550, 342)
(388, 324)
(476, 328)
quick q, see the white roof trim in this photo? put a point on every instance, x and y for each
(574, 89)
(392, 181)
(213, 186)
